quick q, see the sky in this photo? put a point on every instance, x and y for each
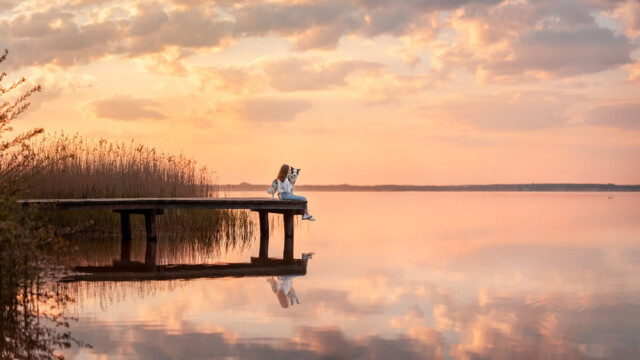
(350, 91)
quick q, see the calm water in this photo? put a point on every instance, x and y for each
(403, 276)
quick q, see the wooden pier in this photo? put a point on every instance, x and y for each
(257, 267)
(152, 207)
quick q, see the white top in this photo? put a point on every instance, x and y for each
(285, 186)
(284, 283)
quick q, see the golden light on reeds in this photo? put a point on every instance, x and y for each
(71, 166)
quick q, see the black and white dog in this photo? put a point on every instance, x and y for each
(293, 176)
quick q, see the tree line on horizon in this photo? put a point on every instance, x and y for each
(490, 187)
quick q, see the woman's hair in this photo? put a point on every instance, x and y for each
(284, 169)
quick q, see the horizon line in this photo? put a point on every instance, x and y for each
(448, 185)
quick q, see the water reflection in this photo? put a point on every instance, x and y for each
(453, 276)
(283, 288)
(204, 237)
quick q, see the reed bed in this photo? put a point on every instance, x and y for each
(75, 167)
(71, 166)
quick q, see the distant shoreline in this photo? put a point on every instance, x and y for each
(492, 187)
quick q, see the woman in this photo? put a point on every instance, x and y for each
(283, 288)
(285, 189)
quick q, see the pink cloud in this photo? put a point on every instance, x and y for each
(622, 115)
(526, 110)
(295, 74)
(265, 109)
(125, 108)
(520, 41)
(500, 42)
(53, 37)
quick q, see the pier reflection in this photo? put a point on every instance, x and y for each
(136, 271)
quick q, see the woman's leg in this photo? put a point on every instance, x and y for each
(288, 196)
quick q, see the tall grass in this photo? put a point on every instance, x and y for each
(77, 167)
(71, 166)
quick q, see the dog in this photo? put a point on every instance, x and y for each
(293, 176)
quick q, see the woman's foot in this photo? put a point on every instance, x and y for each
(308, 217)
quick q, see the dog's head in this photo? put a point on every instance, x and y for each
(293, 176)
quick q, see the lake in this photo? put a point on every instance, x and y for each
(402, 275)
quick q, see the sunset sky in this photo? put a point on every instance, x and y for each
(360, 91)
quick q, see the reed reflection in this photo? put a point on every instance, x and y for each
(97, 246)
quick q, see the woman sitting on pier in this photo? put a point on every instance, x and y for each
(285, 189)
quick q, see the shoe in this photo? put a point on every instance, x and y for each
(308, 217)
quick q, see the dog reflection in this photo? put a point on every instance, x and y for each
(283, 288)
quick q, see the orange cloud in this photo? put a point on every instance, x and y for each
(297, 74)
(505, 111)
(628, 14)
(125, 108)
(634, 72)
(524, 41)
(265, 109)
(623, 115)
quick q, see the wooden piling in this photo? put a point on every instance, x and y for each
(152, 240)
(288, 236)
(125, 226)
(264, 234)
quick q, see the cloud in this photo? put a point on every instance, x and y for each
(316, 25)
(385, 87)
(306, 343)
(621, 115)
(628, 14)
(498, 41)
(167, 62)
(153, 29)
(63, 38)
(506, 111)
(321, 24)
(53, 37)
(551, 53)
(265, 109)
(125, 108)
(232, 79)
(340, 301)
(527, 41)
(634, 72)
(150, 18)
(56, 83)
(8, 4)
(295, 74)
(369, 80)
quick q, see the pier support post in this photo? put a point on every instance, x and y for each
(288, 236)
(125, 227)
(264, 235)
(152, 239)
